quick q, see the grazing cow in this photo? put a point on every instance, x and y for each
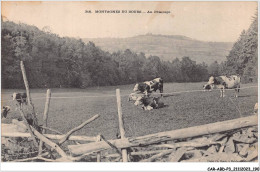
(4, 111)
(148, 87)
(224, 82)
(207, 87)
(20, 98)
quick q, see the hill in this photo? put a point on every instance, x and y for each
(167, 47)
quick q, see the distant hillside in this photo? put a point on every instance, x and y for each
(167, 47)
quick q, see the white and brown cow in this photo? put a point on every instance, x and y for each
(21, 98)
(224, 82)
(148, 87)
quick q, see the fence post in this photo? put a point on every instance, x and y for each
(45, 116)
(35, 122)
(121, 123)
(99, 153)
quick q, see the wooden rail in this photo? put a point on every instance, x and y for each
(217, 127)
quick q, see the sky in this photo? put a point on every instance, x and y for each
(206, 21)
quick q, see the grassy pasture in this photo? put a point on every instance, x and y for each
(71, 107)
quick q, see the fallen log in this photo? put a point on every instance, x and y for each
(15, 133)
(166, 136)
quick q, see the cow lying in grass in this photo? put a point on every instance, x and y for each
(149, 103)
(224, 82)
(135, 96)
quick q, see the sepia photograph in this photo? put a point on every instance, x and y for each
(129, 81)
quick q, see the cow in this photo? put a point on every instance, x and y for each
(21, 98)
(148, 87)
(5, 111)
(149, 103)
(224, 82)
(134, 96)
(207, 87)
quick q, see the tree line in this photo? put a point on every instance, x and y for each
(53, 61)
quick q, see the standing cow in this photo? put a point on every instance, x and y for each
(224, 82)
(148, 87)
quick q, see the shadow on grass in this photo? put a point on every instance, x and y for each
(170, 95)
(247, 96)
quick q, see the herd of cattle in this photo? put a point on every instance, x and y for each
(142, 92)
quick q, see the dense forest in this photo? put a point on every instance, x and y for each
(53, 61)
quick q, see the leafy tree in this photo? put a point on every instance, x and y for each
(243, 57)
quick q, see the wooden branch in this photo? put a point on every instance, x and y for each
(168, 135)
(49, 136)
(28, 127)
(56, 131)
(139, 153)
(188, 144)
(176, 156)
(111, 145)
(162, 153)
(121, 123)
(45, 116)
(224, 141)
(51, 129)
(35, 121)
(82, 156)
(51, 144)
(62, 140)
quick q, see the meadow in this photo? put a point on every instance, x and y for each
(71, 107)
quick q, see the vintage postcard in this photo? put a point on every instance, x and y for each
(129, 81)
